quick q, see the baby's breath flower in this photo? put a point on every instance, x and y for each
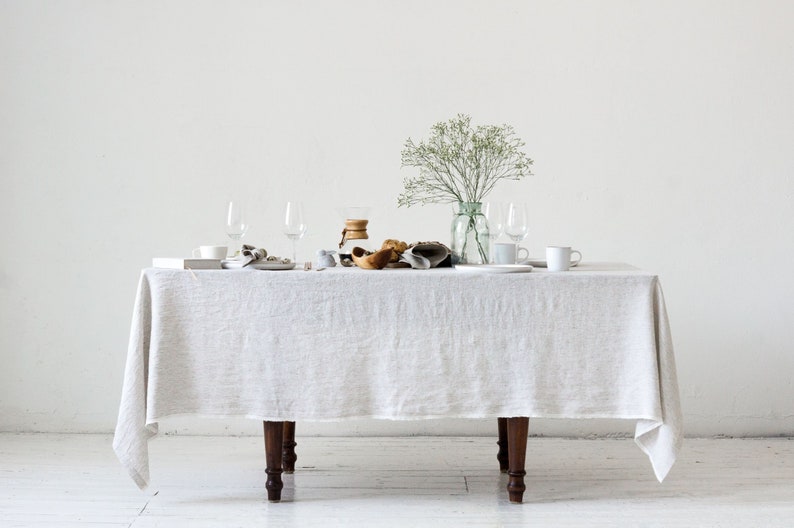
(459, 163)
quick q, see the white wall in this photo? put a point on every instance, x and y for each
(662, 134)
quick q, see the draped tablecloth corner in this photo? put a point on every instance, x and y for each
(662, 439)
(132, 434)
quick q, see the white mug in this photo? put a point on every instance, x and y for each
(212, 252)
(559, 258)
(507, 253)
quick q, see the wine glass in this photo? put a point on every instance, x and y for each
(294, 225)
(494, 213)
(236, 224)
(516, 223)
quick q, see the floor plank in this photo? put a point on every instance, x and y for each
(75, 481)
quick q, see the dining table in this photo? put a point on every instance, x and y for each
(345, 343)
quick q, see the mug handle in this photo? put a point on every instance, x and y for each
(577, 261)
(197, 253)
(519, 258)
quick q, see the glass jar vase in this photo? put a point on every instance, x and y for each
(469, 234)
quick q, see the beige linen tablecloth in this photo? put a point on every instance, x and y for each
(400, 344)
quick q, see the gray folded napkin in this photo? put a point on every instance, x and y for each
(251, 254)
(425, 255)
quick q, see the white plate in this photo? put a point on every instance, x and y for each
(537, 262)
(494, 268)
(541, 263)
(272, 265)
(237, 264)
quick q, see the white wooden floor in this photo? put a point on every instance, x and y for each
(74, 480)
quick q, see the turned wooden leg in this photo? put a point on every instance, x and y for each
(502, 456)
(274, 438)
(517, 431)
(288, 456)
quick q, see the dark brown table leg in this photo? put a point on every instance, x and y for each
(517, 431)
(274, 438)
(288, 456)
(502, 456)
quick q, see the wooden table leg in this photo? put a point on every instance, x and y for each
(517, 431)
(502, 455)
(274, 438)
(288, 456)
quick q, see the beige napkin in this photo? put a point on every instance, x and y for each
(252, 254)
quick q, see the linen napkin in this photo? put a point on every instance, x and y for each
(252, 254)
(425, 255)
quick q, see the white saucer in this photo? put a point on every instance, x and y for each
(494, 268)
(238, 264)
(541, 263)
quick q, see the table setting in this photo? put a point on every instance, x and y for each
(239, 336)
(460, 164)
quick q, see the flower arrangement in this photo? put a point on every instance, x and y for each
(461, 163)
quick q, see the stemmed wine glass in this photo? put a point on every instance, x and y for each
(236, 224)
(516, 223)
(294, 225)
(494, 213)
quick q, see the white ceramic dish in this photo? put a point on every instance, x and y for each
(494, 268)
(237, 264)
(541, 263)
(272, 265)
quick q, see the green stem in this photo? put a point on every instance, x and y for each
(472, 226)
(483, 256)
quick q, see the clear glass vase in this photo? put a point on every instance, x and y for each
(469, 234)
